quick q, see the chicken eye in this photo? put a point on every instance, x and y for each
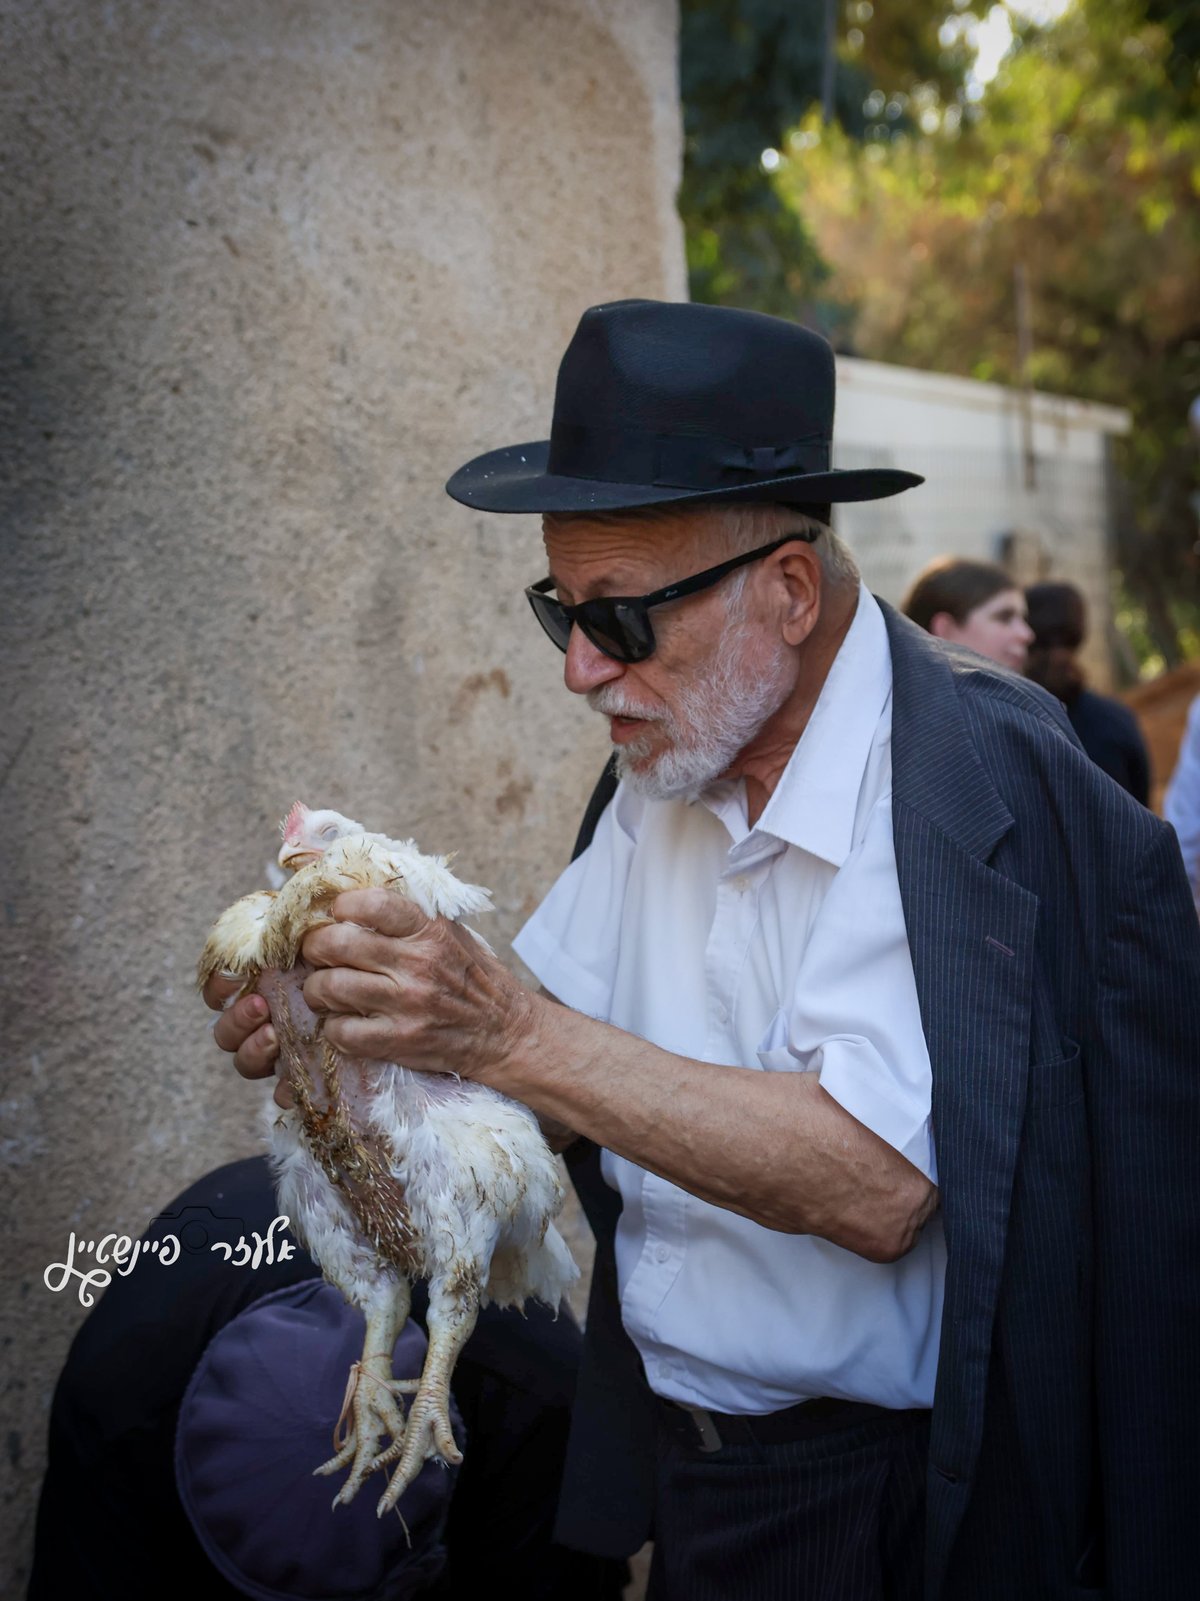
(329, 831)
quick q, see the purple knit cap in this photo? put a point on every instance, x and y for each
(257, 1418)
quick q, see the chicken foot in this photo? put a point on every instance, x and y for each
(370, 1412)
(450, 1322)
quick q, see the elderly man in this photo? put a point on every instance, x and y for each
(851, 917)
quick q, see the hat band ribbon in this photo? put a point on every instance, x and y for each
(677, 461)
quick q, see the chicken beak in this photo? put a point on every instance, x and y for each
(293, 857)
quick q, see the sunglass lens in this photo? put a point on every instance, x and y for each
(621, 630)
(550, 613)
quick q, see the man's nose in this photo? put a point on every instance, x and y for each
(587, 667)
(1025, 634)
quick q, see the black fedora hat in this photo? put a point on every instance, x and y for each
(660, 402)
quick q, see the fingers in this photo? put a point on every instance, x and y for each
(349, 945)
(384, 910)
(245, 1030)
(367, 923)
(218, 990)
(393, 985)
(358, 970)
(373, 1038)
(240, 1021)
(346, 989)
(257, 1057)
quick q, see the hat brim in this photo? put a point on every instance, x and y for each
(515, 479)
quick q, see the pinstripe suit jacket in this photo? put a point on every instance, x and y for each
(1057, 962)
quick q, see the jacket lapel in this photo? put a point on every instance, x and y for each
(971, 932)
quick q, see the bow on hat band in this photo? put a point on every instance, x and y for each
(677, 461)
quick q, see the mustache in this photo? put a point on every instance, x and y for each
(610, 700)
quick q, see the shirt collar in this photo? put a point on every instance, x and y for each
(813, 805)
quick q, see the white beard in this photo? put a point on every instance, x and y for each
(716, 718)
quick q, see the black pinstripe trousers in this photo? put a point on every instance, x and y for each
(839, 1517)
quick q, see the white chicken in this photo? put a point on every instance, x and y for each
(386, 1174)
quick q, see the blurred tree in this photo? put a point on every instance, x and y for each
(749, 71)
(1080, 162)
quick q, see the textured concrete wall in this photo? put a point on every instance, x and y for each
(270, 272)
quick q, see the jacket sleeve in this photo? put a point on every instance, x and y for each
(1144, 1112)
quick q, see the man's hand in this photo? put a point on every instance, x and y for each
(397, 986)
(394, 986)
(244, 1029)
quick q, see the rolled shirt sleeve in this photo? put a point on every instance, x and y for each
(872, 1058)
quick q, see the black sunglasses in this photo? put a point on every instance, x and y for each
(619, 625)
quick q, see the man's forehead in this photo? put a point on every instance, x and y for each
(635, 531)
(627, 554)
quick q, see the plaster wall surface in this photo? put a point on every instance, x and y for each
(271, 273)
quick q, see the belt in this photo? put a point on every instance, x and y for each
(699, 1429)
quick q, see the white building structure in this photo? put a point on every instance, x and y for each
(1023, 480)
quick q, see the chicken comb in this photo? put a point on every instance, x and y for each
(294, 818)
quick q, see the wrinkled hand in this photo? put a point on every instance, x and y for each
(244, 1029)
(397, 986)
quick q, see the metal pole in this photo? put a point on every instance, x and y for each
(1024, 352)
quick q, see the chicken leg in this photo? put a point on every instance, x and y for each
(370, 1412)
(450, 1322)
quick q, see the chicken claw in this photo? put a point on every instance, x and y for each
(427, 1435)
(373, 1416)
(370, 1414)
(452, 1315)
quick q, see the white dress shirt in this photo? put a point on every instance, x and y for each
(780, 948)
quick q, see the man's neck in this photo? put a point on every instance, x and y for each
(762, 763)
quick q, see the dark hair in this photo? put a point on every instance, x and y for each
(1058, 617)
(953, 585)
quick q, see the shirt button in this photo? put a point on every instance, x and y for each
(661, 1253)
(741, 884)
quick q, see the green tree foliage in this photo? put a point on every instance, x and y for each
(1081, 165)
(749, 70)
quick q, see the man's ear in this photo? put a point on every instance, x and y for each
(943, 626)
(799, 568)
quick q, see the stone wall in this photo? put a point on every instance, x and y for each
(271, 272)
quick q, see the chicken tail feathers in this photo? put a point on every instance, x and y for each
(545, 1272)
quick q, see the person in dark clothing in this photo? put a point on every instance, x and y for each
(1107, 730)
(130, 1508)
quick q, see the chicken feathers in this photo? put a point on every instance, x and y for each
(389, 1175)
